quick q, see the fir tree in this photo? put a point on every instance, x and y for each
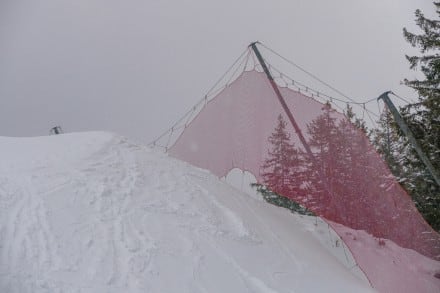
(390, 144)
(356, 121)
(342, 156)
(423, 117)
(362, 180)
(321, 171)
(282, 171)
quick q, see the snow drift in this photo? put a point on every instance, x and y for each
(92, 212)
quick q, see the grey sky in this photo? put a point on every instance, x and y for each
(134, 67)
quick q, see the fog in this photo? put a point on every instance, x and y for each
(134, 67)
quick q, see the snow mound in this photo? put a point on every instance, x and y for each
(91, 212)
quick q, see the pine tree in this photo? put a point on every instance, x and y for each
(423, 117)
(390, 144)
(353, 166)
(282, 171)
(321, 172)
(356, 121)
(364, 179)
(342, 156)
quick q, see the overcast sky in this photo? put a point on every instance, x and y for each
(135, 66)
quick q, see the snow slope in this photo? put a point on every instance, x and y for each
(91, 212)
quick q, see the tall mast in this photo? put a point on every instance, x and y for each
(289, 115)
(404, 127)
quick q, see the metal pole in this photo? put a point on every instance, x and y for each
(404, 127)
(289, 114)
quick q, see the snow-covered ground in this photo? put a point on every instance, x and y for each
(92, 212)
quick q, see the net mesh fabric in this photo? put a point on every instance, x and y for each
(345, 181)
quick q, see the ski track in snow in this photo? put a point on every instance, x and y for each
(122, 218)
(33, 238)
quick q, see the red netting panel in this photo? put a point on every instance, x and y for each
(344, 181)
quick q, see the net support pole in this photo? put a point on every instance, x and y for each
(289, 114)
(404, 127)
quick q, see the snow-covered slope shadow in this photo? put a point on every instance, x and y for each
(92, 212)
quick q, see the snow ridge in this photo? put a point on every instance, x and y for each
(92, 212)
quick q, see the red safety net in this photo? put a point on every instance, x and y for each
(344, 180)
